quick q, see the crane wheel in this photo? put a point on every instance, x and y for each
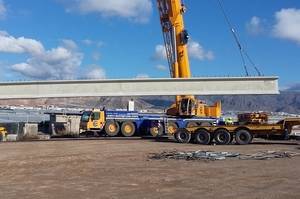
(128, 129)
(191, 124)
(243, 137)
(222, 137)
(202, 136)
(156, 131)
(182, 136)
(172, 128)
(112, 128)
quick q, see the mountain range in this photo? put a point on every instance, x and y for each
(287, 101)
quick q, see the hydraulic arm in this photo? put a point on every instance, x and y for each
(176, 40)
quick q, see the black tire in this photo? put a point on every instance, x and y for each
(128, 129)
(182, 136)
(202, 136)
(157, 130)
(172, 128)
(89, 134)
(243, 137)
(112, 128)
(192, 124)
(222, 137)
(232, 138)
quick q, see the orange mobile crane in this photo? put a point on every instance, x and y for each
(176, 39)
(187, 111)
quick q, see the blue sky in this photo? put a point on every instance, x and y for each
(67, 39)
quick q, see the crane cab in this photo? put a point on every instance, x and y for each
(190, 107)
(187, 107)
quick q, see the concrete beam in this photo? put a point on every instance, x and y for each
(140, 87)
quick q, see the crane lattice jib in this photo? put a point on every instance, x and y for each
(175, 37)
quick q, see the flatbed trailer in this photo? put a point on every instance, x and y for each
(241, 133)
(130, 123)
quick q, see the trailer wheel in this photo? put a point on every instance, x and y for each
(202, 136)
(112, 128)
(128, 129)
(172, 128)
(243, 137)
(182, 136)
(156, 130)
(222, 137)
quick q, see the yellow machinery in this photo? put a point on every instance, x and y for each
(176, 39)
(93, 120)
(3, 133)
(253, 118)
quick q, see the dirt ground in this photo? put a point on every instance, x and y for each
(120, 168)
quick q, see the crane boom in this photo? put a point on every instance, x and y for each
(176, 39)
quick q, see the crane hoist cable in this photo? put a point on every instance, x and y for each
(242, 51)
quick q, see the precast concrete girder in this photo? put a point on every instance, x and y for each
(140, 87)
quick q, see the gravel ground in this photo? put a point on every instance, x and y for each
(120, 168)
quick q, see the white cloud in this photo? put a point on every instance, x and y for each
(142, 76)
(100, 44)
(10, 44)
(96, 72)
(87, 42)
(160, 53)
(255, 26)
(161, 67)
(195, 50)
(58, 63)
(69, 44)
(96, 56)
(3, 10)
(287, 24)
(136, 10)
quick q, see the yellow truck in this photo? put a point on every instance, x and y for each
(242, 133)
